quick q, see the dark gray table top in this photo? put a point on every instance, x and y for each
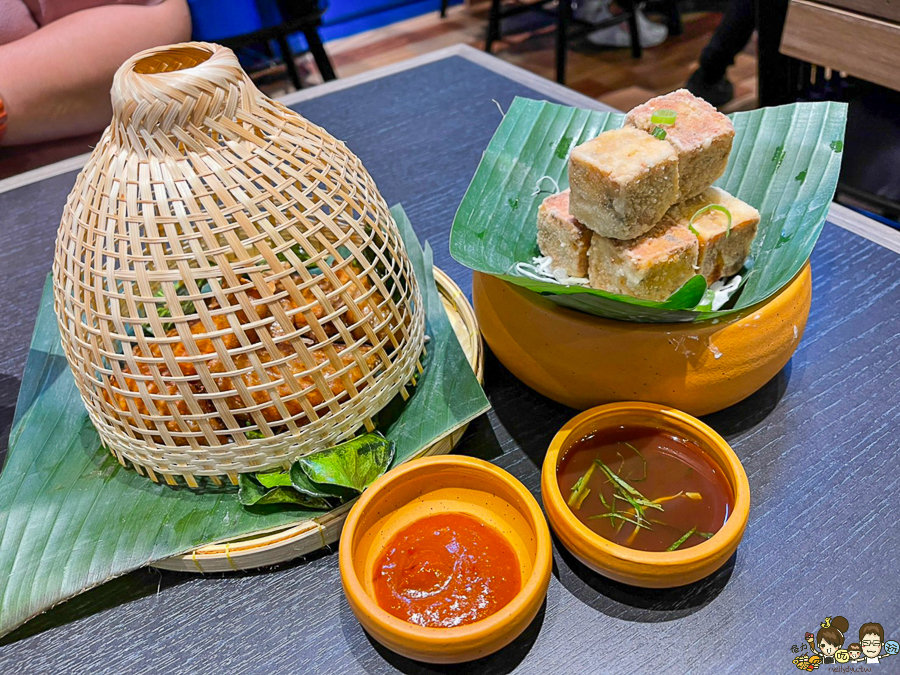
(819, 444)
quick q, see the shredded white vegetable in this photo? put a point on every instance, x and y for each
(537, 187)
(541, 269)
(723, 289)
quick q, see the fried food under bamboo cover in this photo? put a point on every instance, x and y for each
(237, 360)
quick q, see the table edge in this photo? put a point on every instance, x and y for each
(868, 228)
(838, 214)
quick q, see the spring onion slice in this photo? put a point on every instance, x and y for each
(658, 132)
(581, 497)
(619, 516)
(684, 538)
(580, 489)
(663, 116)
(624, 487)
(706, 209)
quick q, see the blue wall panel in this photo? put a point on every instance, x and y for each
(217, 19)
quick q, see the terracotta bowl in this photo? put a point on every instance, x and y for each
(649, 569)
(582, 360)
(445, 484)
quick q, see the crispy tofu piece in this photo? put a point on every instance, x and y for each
(701, 136)
(622, 182)
(651, 267)
(561, 237)
(720, 255)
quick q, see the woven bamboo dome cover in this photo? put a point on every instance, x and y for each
(231, 289)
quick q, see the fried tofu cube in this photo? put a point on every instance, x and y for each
(722, 253)
(651, 267)
(701, 136)
(561, 237)
(622, 182)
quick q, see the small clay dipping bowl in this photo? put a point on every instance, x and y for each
(648, 569)
(433, 485)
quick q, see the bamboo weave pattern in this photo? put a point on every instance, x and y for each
(231, 289)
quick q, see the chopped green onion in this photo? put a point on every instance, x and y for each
(641, 502)
(663, 116)
(576, 488)
(643, 459)
(581, 496)
(623, 484)
(658, 132)
(705, 535)
(580, 489)
(638, 509)
(684, 538)
(626, 493)
(625, 518)
(706, 209)
(609, 505)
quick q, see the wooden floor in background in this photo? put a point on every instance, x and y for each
(611, 76)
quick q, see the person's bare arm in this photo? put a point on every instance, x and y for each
(55, 82)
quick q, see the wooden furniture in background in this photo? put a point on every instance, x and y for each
(609, 75)
(858, 37)
(565, 22)
(299, 16)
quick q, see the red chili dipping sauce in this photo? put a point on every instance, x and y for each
(446, 570)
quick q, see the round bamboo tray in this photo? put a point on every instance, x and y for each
(287, 543)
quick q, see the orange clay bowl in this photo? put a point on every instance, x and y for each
(431, 485)
(649, 569)
(582, 360)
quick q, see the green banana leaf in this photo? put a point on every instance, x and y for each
(71, 517)
(785, 162)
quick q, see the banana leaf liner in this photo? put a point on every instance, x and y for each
(71, 517)
(785, 162)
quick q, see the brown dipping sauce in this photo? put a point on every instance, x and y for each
(691, 495)
(446, 570)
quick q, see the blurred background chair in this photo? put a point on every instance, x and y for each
(242, 24)
(569, 25)
(566, 24)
